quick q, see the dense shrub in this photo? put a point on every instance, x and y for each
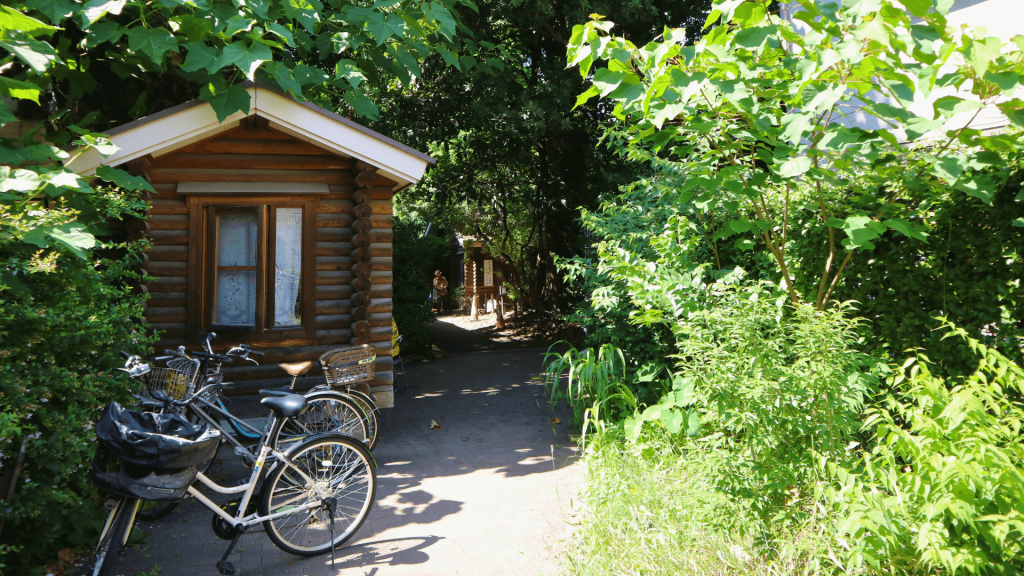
(415, 259)
(59, 347)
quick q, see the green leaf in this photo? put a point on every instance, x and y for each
(225, 100)
(584, 97)
(917, 7)
(693, 424)
(282, 32)
(435, 11)
(408, 60)
(10, 281)
(6, 114)
(673, 420)
(874, 30)
(97, 9)
(123, 179)
(248, 57)
(108, 31)
(99, 142)
(55, 10)
(979, 54)
(17, 89)
(36, 54)
(449, 58)
(632, 428)
(153, 42)
(306, 12)
(382, 27)
(795, 126)
(73, 237)
(950, 105)
(608, 81)
(362, 105)
(861, 230)
(1018, 223)
(754, 38)
(202, 57)
(1007, 81)
(349, 70)
(282, 76)
(794, 167)
(907, 229)
(15, 21)
(237, 24)
(861, 8)
(308, 75)
(981, 186)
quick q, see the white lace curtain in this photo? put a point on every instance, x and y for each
(288, 258)
(236, 289)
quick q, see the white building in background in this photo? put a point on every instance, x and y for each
(1003, 19)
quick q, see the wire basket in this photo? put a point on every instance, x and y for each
(211, 376)
(176, 383)
(346, 366)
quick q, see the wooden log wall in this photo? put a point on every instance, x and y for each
(353, 250)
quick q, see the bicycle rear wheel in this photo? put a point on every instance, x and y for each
(326, 411)
(332, 466)
(119, 526)
(369, 410)
(153, 511)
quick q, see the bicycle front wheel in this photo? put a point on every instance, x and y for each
(326, 412)
(324, 468)
(119, 526)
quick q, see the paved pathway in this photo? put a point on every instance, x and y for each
(486, 494)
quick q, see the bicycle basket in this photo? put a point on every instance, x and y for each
(346, 366)
(211, 377)
(156, 441)
(113, 474)
(176, 380)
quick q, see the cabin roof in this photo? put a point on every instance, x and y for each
(168, 130)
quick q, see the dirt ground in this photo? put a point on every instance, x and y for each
(456, 333)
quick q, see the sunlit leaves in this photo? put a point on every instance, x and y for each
(383, 26)
(18, 89)
(980, 53)
(36, 54)
(153, 42)
(362, 105)
(123, 179)
(247, 56)
(225, 100)
(201, 57)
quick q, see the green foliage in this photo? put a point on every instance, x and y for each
(942, 487)
(415, 259)
(651, 509)
(596, 384)
(61, 338)
(749, 116)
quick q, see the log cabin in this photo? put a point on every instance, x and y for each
(272, 228)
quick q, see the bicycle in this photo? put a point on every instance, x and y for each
(315, 496)
(327, 411)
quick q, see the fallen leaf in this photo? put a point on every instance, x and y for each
(434, 425)
(556, 420)
(515, 359)
(492, 393)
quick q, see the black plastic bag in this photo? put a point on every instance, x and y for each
(156, 441)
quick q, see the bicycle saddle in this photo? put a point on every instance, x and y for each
(298, 368)
(288, 406)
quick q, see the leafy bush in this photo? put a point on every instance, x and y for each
(941, 489)
(60, 348)
(415, 259)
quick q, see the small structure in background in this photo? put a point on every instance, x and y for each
(485, 276)
(272, 228)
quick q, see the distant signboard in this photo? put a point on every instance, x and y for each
(488, 272)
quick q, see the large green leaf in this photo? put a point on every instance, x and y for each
(153, 42)
(18, 89)
(15, 21)
(74, 237)
(55, 10)
(201, 57)
(794, 167)
(754, 38)
(917, 7)
(306, 12)
(362, 105)
(123, 179)
(6, 116)
(282, 32)
(36, 54)
(96, 9)
(349, 70)
(980, 53)
(907, 229)
(282, 76)
(435, 11)
(248, 57)
(225, 100)
(384, 26)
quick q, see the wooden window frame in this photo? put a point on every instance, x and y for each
(203, 267)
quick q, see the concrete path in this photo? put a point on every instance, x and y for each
(486, 494)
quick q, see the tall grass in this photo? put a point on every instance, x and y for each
(651, 511)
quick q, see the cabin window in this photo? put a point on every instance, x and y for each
(255, 273)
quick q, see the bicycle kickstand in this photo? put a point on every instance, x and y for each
(223, 566)
(331, 503)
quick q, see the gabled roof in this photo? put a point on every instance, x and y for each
(174, 128)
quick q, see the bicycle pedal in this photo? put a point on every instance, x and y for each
(226, 568)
